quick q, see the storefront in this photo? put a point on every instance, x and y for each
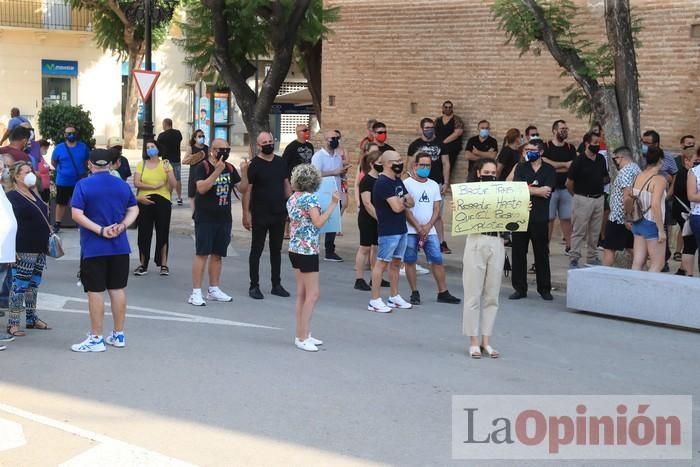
(58, 81)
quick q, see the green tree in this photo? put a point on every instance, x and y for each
(224, 37)
(605, 75)
(53, 120)
(119, 28)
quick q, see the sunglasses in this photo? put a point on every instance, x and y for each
(381, 132)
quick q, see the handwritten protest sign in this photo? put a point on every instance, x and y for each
(325, 192)
(490, 207)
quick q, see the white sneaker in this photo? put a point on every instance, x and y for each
(398, 302)
(305, 345)
(218, 295)
(402, 271)
(116, 339)
(314, 341)
(91, 344)
(196, 299)
(420, 270)
(378, 306)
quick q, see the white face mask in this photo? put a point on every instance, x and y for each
(30, 180)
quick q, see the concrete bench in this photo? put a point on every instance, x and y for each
(646, 296)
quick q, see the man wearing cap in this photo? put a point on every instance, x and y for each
(104, 207)
(119, 163)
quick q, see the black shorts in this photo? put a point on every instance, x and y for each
(64, 194)
(304, 263)
(212, 238)
(368, 231)
(104, 273)
(617, 237)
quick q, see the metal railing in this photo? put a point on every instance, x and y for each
(44, 14)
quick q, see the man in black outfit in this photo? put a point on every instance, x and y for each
(299, 151)
(380, 136)
(169, 141)
(449, 129)
(541, 179)
(481, 146)
(265, 211)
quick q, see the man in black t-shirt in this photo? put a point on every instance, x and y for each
(541, 179)
(169, 142)
(265, 211)
(481, 146)
(586, 181)
(299, 151)
(439, 168)
(380, 135)
(214, 179)
(449, 129)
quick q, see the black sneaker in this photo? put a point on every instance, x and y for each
(179, 201)
(681, 272)
(517, 295)
(415, 298)
(254, 292)
(532, 269)
(360, 284)
(279, 291)
(546, 296)
(445, 249)
(333, 257)
(57, 227)
(666, 268)
(140, 271)
(385, 283)
(447, 297)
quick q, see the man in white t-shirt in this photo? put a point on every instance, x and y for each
(420, 220)
(8, 235)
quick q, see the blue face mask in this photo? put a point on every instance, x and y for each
(532, 156)
(200, 140)
(484, 132)
(429, 133)
(423, 172)
(645, 149)
(70, 137)
(152, 152)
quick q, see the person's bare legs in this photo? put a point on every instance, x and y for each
(60, 212)
(410, 269)
(608, 257)
(215, 264)
(198, 264)
(361, 257)
(657, 255)
(688, 264)
(440, 228)
(117, 298)
(377, 272)
(566, 230)
(439, 275)
(96, 305)
(311, 295)
(394, 268)
(301, 298)
(639, 253)
(178, 189)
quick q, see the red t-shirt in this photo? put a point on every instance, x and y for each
(15, 153)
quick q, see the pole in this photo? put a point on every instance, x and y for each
(148, 105)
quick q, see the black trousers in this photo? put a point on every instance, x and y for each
(329, 239)
(257, 245)
(154, 216)
(537, 233)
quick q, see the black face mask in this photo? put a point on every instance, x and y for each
(397, 168)
(268, 149)
(378, 167)
(223, 153)
(487, 178)
(594, 148)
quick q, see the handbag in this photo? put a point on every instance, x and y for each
(54, 247)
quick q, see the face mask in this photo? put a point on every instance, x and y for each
(268, 149)
(333, 143)
(429, 133)
(30, 180)
(5, 173)
(645, 149)
(306, 135)
(223, 153)
(531, 156)
(423, 172)
(484, 132)
(381, 137)
(378, 167)
(562, 135)
(487, 178)
(200, 140)
(70, 137)
(397, 168)
(152, 152)
(690, 146)
(533, 136)
(594, 148)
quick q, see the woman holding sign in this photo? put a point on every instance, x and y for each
(482, 271)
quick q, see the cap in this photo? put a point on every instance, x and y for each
(115, 141)
(101, 157)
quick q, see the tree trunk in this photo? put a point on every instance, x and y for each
(132, 102)
(311, 55)
(618, 23)
(607, 112)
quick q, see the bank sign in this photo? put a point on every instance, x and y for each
(59, 68)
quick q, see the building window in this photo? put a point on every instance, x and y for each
(553, 102)
(55, 90)
(695, 31)
(331, 101)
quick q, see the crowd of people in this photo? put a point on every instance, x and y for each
(400, 198)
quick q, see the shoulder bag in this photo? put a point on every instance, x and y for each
(78, 173)
(633, 205)
(55, 247)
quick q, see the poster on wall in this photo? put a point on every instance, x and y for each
(204, 117)
(221, 107)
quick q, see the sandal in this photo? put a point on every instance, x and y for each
(490, 351)
(474, 351)
(677, 256)
(17, 332)
(42, 326)
(164, 271)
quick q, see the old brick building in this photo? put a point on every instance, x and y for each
(398, 60)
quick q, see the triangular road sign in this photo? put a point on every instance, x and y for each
(145, 82)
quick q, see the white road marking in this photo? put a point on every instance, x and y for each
(52, 302)
(11, 435)
(109, 451)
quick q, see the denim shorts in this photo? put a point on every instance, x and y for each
(177, 170)
(431, 248)
(560, 204)
(391, 247)
(646, 228)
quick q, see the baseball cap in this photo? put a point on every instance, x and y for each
(115, 141)
(101, 157)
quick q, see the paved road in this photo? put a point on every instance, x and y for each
(223, 384)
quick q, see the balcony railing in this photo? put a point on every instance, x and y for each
(44, 14)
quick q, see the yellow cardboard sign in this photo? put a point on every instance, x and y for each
(490, 207)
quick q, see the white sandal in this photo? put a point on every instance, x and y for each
(474, 351)
(490, 351)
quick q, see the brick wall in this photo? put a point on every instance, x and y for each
(384, 55)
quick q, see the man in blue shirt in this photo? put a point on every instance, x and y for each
(104, 207)
(70, 161)
(15, 120)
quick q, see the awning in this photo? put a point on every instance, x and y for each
(300, 97)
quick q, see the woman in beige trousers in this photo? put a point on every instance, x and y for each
(482, 271)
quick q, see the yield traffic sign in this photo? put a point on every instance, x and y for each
(145, 82)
